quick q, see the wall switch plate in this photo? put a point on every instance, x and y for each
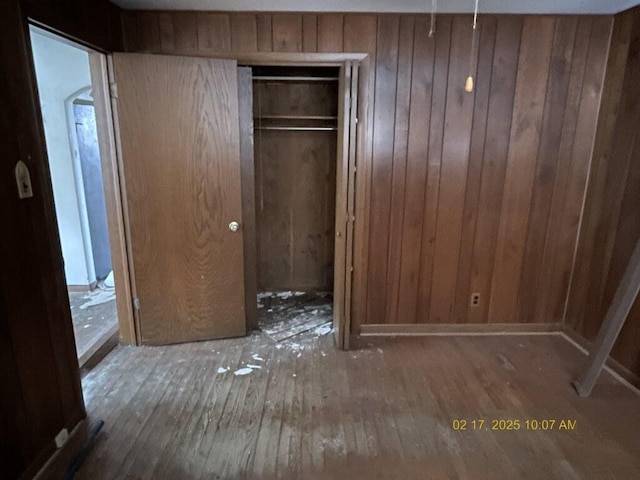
(23, 180)
(62, 437)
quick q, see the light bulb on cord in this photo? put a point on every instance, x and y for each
(468, 86)
(434, 7)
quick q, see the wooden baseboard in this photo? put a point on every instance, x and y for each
(60, 461)
(442, 329)
(82, 288)
(90, 352)
(612, 366)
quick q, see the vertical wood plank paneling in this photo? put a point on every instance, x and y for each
(453, 175)
(533, 67)
(330, 29)
(548, 152)
(455, 193)
(614, 83)
(382, 161)
(431, 195)
(148, 31)
(596, 209)
(611, 223)
(482, 78)
(244, 33)
(264, 33)
(167, 36)
(287, 32)
(399, 167)
(310, 33)
(296, 217)
(593, 209)
(96, 23)
(185, 31)
(620, 156)
(15, 443)
(131, 35)
(214, 32)
(416, 177)
(628, 233)
(501, 98)
(557, 245)
(360, 33)
(39, 376)
(582, 152)
(626, 348)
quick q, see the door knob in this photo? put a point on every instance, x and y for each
(234, 226)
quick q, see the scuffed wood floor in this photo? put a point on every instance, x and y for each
(384, 410)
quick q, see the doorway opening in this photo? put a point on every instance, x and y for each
(295, 120)
(65, 90)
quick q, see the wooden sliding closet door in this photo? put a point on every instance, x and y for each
(179, 136)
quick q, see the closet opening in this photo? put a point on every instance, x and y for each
(295, 121)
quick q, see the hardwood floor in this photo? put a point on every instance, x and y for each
(95, 320)
(383, 410)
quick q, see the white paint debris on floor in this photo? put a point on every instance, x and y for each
(247, 370)
(285, 314)
(280, 295)
(98, 297)
(323, 329)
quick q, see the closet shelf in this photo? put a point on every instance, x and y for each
(295, 117)
(277, 78)
(300, 129)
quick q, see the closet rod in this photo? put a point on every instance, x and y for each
(293, 79)
(306, 129)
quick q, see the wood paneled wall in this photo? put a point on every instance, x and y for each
(464, 192)
(295, 190)
(295, 209)
(40, 391)
(611, 223)
(39, 377)
(95, 23)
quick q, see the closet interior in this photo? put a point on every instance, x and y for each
(295, 140)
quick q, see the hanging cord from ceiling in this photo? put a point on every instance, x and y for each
(468, 86)
(434, 7)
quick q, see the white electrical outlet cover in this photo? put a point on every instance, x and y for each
(62, 437)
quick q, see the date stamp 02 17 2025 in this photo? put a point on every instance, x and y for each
(513, 425)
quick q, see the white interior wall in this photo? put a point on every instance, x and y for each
(62, 70)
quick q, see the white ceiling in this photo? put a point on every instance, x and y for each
(409, 6)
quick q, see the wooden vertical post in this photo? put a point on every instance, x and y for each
(342, 178)
(350, 201)
(612, 325)
(247, 181)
